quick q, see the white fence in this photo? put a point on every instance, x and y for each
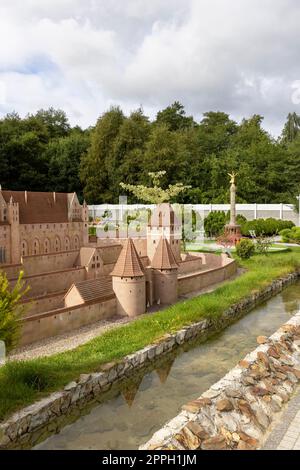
(250, 211)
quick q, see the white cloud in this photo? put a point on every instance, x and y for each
(240, 57)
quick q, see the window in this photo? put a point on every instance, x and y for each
(67, 243)
(47, 245)
(57, 244)
(76, 242)
(36, 247)
(2, 254)
(24, 248)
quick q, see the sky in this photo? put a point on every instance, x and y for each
(83, 56)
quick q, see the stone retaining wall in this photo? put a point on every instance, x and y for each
(28, 426)
(236, 412)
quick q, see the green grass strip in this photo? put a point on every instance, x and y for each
(23, 382)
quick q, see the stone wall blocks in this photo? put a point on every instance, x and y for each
(180, 336)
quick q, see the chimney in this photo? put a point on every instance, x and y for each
(54, 196)
(25, 194)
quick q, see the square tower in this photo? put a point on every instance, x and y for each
(164, 224)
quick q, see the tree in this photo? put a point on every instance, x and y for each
(11, 310)
(291, 128)
(166, 150)
(64, 156)
(155, 194)
(96, 170)
(174, 117)
(22, 144)
(55, 120)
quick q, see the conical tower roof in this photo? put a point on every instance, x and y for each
(163, 257)
(129, 263)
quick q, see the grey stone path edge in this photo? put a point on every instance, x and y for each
(284, 424)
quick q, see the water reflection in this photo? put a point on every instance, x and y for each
(131, 417)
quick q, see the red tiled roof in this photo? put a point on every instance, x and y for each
(129, 263)
(163, 257)
(40, 207)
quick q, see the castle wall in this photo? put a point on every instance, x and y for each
(61, 321)
(190, 266)
(131, 295)
(43, 303)
(196, 281)
(57, 281)
(12, 270)
(51, 262)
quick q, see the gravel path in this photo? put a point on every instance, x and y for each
(66, 341)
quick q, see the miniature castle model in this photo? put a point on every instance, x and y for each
(74, 281)
(33, 223)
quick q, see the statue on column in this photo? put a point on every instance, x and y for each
(233, 230)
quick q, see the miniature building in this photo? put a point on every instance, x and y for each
(33, 223)
(165, 273)
(164, 223)
(129, 282)
(74, 282)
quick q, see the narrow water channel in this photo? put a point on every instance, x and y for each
(131, 418)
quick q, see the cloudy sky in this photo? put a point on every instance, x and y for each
(237, 56)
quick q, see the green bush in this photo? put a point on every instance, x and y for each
(11, 310)
(214, 223)
(267, 227)
(291, 235)
(245, 248)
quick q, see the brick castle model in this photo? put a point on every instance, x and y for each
(74, 282)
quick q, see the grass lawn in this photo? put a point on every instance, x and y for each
(22, 383)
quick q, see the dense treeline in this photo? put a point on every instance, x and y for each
(42, 152)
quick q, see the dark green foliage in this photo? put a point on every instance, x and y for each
(245, 248)
(214, 223)
(267, 227)
(291, 235)
(43, 152)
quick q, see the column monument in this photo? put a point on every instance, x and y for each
(233, 230)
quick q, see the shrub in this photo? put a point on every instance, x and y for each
(291, 235)
(263, 244)
(245, 248)
(267, 227)
(10, 310)
(214, 223)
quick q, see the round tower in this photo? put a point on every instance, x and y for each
(165, 274)
(129, 283)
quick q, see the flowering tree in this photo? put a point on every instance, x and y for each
(155, 194)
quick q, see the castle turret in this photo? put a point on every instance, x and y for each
(129, 282)
(165, 273)
(164, 223)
